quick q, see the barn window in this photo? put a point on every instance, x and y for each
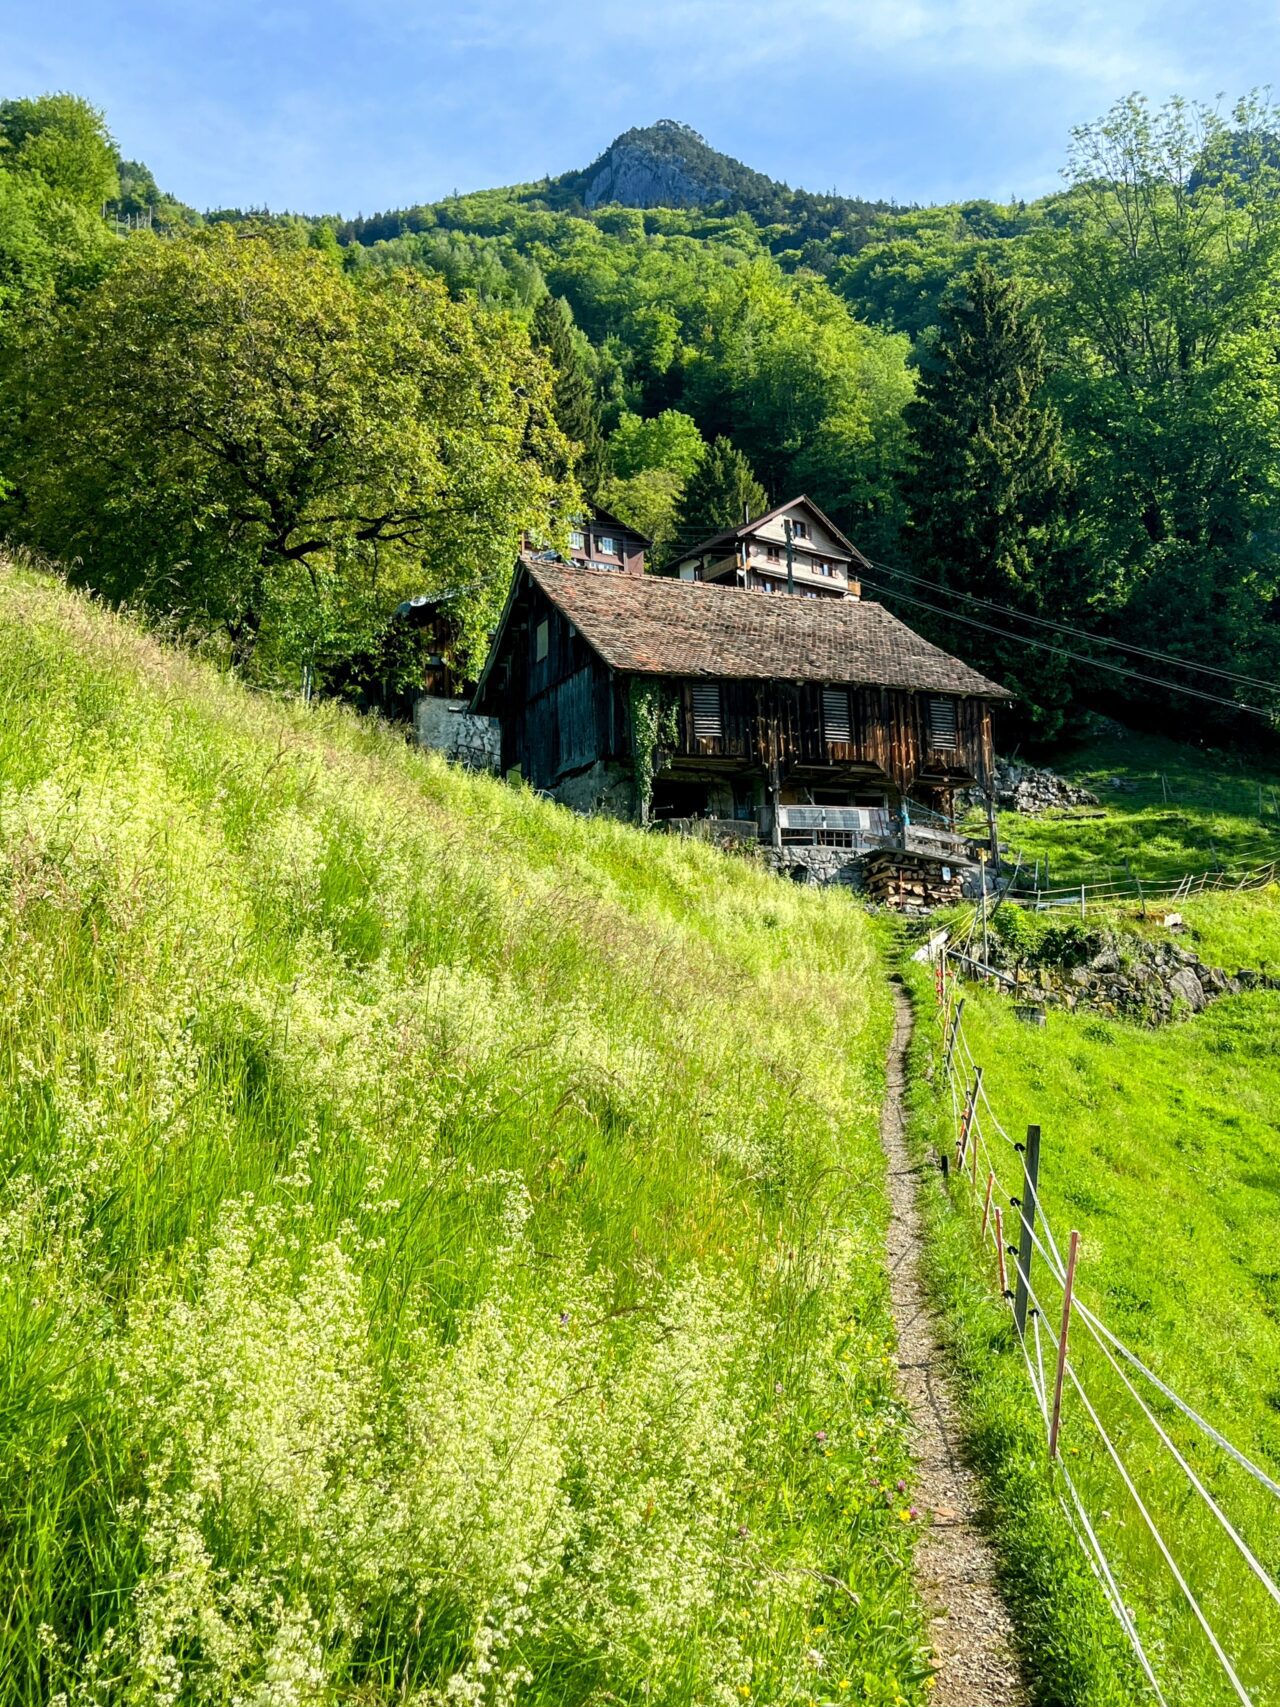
(708, 722)
(577, 540)
(542, 641)
(835, 715)
(608, 545)
(942, 723)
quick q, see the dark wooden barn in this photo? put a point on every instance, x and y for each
(796, 719)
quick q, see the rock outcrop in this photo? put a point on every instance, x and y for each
(1024, 788)
(1126, 975)
(633, 175)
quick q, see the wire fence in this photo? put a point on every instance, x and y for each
(1174, 888)
(1038, 1285)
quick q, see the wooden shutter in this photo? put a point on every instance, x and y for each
(835, 715)
(708, 722)
(942, 723)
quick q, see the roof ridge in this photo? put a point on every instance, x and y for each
(656, 625)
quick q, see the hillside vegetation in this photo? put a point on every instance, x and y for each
(1160, 1146)
(1166, 809)
(1050, 428)
(441, 1237)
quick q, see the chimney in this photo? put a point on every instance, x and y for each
(855, 589)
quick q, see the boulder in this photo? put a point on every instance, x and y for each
(1185, 984)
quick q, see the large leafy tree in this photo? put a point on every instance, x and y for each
(1160, 287)
(62, 142)
(986, 489)
(717, 493)
(649, 462)
(57, 167)
(230, 429)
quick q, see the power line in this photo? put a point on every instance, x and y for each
(1063, 628)
(1079, 633)
(1080, 657)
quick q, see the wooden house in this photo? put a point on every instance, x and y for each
(598, 540)
(808, 722)
(793, 548)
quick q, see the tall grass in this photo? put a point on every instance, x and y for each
(440, 1237)
(1161, 1147)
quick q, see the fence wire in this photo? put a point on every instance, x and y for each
(973, 1118)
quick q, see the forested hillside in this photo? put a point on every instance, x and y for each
(1053, 427)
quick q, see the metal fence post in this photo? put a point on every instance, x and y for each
(1027, 1209)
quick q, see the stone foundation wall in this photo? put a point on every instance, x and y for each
(446, 726)
(603, 789)
(819, 865)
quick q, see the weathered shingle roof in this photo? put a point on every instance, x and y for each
(651, 625)
(753, 524)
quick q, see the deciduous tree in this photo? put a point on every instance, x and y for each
(230, 429)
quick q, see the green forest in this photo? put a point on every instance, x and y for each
(1053, 427)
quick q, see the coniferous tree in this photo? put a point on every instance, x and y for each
(986, 487)
(575, 404)
(716, 493)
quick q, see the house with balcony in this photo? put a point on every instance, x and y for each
(793, 548)
(824, 727)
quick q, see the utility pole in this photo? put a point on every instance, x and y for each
(791, 556)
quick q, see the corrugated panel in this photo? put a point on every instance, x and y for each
(835, 714)
(708, 720)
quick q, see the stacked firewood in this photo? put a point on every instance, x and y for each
(908, 883)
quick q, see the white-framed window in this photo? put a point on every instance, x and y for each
(771, 553)
(836, 723)
(799, 530)
(607, 544)
(577, 540)
(708, 717)
(542, 640)
(943, 732)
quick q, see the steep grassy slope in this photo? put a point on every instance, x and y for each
(1162, 1147)
(1176, 809)
(440, 1242)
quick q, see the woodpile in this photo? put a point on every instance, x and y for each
(910, 883)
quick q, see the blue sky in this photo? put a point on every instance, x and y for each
(355, 105)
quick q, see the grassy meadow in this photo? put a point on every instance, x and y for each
(1162, 1148)
(1177, 809)
(440, 1237)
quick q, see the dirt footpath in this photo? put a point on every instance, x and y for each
(971, 1630)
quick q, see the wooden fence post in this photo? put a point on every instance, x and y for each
(1067, 1290)
(1027, 1209)
(1004, 1284)
(951, 1041)
(986, 1206)
(966, 1119)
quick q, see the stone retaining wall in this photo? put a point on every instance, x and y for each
(446, 726)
